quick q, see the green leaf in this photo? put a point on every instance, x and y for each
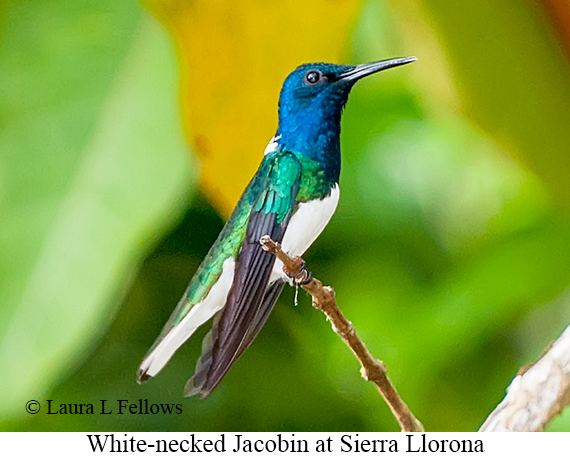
(93, 167)
(502, 65)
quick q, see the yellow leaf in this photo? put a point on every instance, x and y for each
(235, 57)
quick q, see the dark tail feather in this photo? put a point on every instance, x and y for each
(198, 379)
(201, 382)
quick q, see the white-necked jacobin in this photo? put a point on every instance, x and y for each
(291, 198)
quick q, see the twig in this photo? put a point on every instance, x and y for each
(372, 369)
(537, 394)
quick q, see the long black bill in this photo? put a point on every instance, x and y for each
(365, 69)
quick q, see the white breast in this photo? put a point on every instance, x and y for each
(305, 226)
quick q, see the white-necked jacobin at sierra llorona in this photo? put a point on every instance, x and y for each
(291, 198)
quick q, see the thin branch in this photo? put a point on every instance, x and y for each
(537, 394)
(372, 369)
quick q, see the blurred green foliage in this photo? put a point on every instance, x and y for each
(450, 257)
(92, 164)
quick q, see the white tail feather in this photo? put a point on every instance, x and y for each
(198, 315)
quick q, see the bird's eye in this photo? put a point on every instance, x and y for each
(313, 77)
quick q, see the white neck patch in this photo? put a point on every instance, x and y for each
(273, 145)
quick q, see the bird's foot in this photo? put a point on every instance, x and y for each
(293, 267)
(301, 276)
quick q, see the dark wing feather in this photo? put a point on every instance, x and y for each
(196, 384)
(251, 298)
(271, 295)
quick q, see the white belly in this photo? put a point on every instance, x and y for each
(304, 227)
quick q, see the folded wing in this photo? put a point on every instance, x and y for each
(251, 297)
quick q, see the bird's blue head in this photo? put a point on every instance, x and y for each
(310, 106)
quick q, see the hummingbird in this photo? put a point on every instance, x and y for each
(291, 198)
